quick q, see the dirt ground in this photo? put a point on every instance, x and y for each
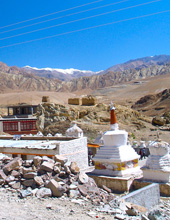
(14, 208)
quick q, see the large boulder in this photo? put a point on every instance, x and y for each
(13, 165)
(56, 188)
(158, 121)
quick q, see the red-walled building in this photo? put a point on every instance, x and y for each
(19, 120)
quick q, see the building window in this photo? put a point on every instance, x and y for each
(28, 125)
(10, 126)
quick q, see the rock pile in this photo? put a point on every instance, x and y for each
(46, 177)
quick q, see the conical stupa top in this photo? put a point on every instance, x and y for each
(113, 119)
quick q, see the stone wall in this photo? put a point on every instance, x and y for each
(89, 100)
(75, 150)
(139, 196)
(74, 101)
(45, 99)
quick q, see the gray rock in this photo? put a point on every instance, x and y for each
(25, 193)
(74, 168)
(47, 166)
(15, 173)
(25, 170)
(30, 175)
(72, 187)
(120, 217)
(44, 192)
(29, 182)
(132, 212)
(144, 217)
(93, 189)
(57, 178)
(10, 179)
(56, 188)
(61, 159)
(37, 161)
(83, 190)
(106, 189)
(12, 165)
(15, 184)
(38, 180)
(56, 169)
(2, 175)
(67, 169)
(155, 215)
(27, 163)
(83, 178)
(62, 174)
(74, 193)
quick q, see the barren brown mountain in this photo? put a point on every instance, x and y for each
(113, 78)
(154, 104)
(13, 78)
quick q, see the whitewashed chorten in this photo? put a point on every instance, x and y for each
(158, 163)
(74, 131)
(116, 157)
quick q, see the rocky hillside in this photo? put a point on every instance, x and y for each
(55, 118)
(154, 104)
(112, 78)
(61, 74)
(33, 79)
(13, 78)
(140, 63)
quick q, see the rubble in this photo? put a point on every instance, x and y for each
(46, 178)
(44, 174)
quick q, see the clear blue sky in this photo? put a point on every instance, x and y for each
(92, 49)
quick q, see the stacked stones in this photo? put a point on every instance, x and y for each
(46, 177)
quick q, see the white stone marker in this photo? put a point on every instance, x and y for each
(158, 163)
(116, 158)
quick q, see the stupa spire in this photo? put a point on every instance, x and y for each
(113, 119)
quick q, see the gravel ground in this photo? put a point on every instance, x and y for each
(14, 208)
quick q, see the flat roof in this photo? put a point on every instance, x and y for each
(16, 119)
(21, 105)
(29, 144)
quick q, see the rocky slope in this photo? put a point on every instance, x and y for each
(61, 74)
(26, 78)
(140, 63)
(113, 78)
(154, 104)
(13, 78)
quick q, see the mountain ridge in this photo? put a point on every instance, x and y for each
(15, 78)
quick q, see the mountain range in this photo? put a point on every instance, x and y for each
(48, 79)
(61, 74)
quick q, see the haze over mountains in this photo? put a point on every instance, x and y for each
(48, 79)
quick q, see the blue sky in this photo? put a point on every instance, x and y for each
(91, 49)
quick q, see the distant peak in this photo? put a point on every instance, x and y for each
(64, 71)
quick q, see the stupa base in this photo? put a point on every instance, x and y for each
(130, 172)
(116, 184)
(156, 175)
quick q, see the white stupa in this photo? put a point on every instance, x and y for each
(74, 131)
(116, 158)
(158, 163)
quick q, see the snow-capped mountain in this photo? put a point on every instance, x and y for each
(62, 74)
